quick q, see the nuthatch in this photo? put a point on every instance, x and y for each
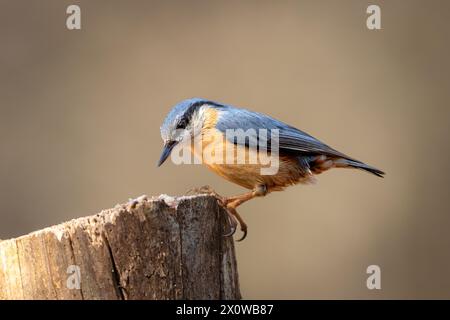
(300, 156)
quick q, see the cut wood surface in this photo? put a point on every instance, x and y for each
(149, 248)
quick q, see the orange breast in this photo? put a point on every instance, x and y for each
(221, 156)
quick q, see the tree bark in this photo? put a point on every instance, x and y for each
(158, 248)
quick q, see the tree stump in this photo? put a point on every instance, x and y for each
(158, 248)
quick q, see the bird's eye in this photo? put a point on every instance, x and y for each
(182, 124)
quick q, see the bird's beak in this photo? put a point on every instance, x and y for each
(166, 151)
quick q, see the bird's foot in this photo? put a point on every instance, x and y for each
(232, 222)
(234, 219)
(230, 204)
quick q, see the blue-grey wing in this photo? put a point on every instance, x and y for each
(291, 140)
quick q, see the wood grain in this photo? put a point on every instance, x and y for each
(158, 248)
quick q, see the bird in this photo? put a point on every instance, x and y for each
(300, 156)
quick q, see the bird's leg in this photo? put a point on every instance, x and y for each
(235, 215)
(233, 202)
(259, 191)
(232, 215)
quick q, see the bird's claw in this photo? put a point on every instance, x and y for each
(232, 223)
(231, 232)
(244, 230)
(224, 202)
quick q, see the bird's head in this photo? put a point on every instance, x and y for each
(183, 122)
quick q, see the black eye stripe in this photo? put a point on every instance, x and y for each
(182, 124)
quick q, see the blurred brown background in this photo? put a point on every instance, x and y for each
(80, 113)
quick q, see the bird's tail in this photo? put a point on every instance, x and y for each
(342, 162)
